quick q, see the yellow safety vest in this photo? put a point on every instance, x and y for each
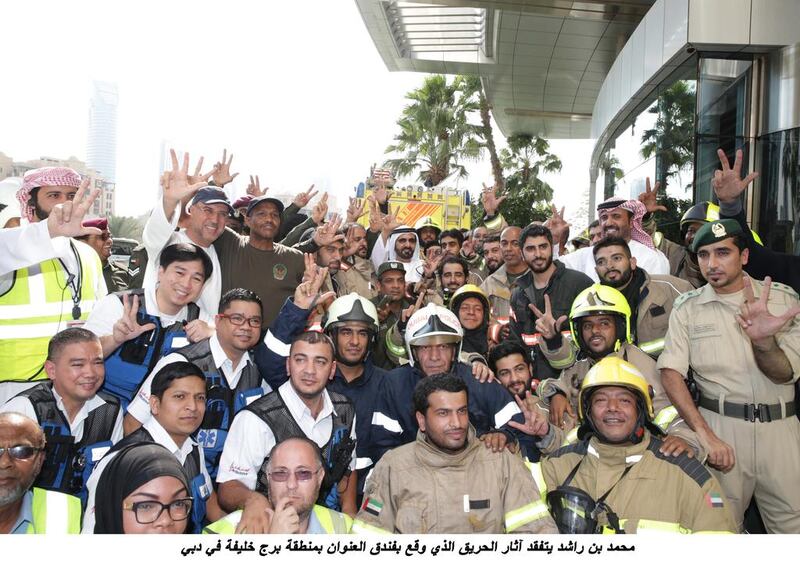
(331, 521)
(39, 304)
(55, 513)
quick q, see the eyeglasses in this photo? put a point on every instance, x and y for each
(239, 320)
(148, 511)
(282, 475)
(20, 452)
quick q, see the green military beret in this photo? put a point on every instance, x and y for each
(391, 265)
(715, 231)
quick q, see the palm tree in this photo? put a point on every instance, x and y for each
(671, 139)
(435, 133)
(524, 159)
(471, 85)
(608, 164)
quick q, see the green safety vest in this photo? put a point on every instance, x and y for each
(331, 521)
(55, 513)
(39, 304)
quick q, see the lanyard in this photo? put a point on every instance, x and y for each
(75, 283)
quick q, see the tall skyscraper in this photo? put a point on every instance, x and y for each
(101, 148)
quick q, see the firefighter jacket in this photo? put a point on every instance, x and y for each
(658, 494)
(656, 297)
(569, 384)
(419, 489)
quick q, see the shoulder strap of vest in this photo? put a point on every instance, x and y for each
(44, 404)
(192, 312)
(99, 425)
(689, 465)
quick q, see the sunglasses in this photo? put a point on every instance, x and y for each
(282, 475)
(20, 452)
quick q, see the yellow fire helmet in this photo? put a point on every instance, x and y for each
(600, 299)
(616, 372)
(469, 290)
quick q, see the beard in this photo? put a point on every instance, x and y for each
(405, 253)
(541, 269)
(623, 280)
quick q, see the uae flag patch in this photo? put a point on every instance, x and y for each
(714, 500)
(372, 506)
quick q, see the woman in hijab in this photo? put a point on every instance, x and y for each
(143, 490)
(471, 305)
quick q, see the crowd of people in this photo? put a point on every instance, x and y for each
(263, 369)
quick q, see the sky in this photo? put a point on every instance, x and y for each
(295, 90)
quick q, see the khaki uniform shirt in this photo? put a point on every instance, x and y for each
(703, 333)
(657, 295)
(418, 489)
(357, 278)
(496, 286)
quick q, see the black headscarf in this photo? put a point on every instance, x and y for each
(131, 468)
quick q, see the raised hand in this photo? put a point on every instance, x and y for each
(754, 316)
(406, 313)
(490, 201)
(198, 330)
(127, 327)
(546, 324)
(728, 183)
(306, 294)
(468, 248)
(222, 170)
(650, 197)
(328, 233)
(254, 187)
(536, 423)
(557, 225)
(198, 176)
(176, 182)
(375, 215)
(355, 210)
(302, 199)
(381, 193)
(430, 266)
(320, 209)
(391, 222)
(65, 219)
(559, 405)
(350, 244)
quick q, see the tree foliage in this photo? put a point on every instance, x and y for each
(126, 227)
(671, 138)
(436, 136)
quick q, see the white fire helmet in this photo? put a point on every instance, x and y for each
(433, 324)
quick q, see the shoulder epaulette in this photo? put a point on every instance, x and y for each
(783, 288)
(580, 448)
(689, 465)
(683, 297)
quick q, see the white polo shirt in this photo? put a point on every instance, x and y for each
(140, 405)
(160, 436)
(250, 439)
(651, 261)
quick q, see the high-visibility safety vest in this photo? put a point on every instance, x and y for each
(54, 513)
(331, 521)
(39, 304)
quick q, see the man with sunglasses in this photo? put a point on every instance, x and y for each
(26, 510)
(116, 276)
(232, 378)
(295, 471)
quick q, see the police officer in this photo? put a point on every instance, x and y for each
(616, 477)
(137, 328)
(692, 221)
(296, 471)
(741, 339)
(26, 510)
(79, 421)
